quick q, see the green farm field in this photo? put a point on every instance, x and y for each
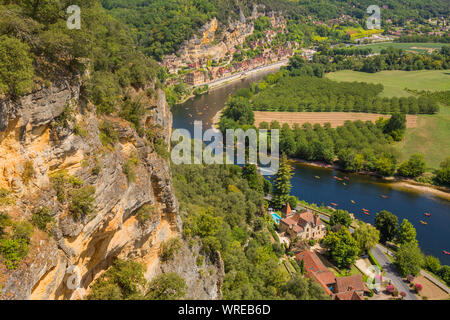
(413, 47)
(396, 81)
(431, 138)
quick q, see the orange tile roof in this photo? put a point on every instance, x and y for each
(316, 269)
(349, 283)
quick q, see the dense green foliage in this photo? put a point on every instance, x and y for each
(406, 232)
(225, 214)
(36, 31)
(16, 69)
(443, 174)
(167, 286)
(341, 218)
(388, 59)
(312, 94)
(122, 281)
(414, 167)
(387, 223)
(282, 184)
(169, 248)
(409, 259)
(343, 249)
(367, 237)
(14, 240)
(42, 218)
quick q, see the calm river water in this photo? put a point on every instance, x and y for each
(363, 190)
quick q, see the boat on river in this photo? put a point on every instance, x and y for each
(317, 177)
(383, 196)
(352, 201)
(423, 222)
(366, 213)
(427, 214)
(347, 178)
(446, 252)
(365, 210)
(334, 204)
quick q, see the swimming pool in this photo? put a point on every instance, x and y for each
(276, 217)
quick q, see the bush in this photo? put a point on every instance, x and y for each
(432, 264)
(62, 183)
(161, 148)
(13, 250)
(145, 212)
(168, 286)
(390, 288)
(82, 202)
(124, 280)
(42, 218)
(128, 169)
(170, 248)
(16, 67)
(418, 287)
(108, 135)
(312, 242)
(200, 260)
(5, 198)
(14, 245)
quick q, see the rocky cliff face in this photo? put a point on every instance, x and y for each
(217, 42)
(63, 264)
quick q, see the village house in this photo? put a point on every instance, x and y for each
(343, 288)
(305, 225)
(195, 78)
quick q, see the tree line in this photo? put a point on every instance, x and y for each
(308, 93)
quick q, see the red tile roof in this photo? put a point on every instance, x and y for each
(316, 269)
(349, 283)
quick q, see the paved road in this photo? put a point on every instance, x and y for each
(391, 272)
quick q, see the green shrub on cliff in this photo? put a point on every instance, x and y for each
(14, 242)
(124, 280)
(169, 248)
(16, 66)
(167, 286)
(83, 202)
(145, 212)
(42, 218)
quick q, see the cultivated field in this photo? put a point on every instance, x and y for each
(334, 118)
(413, 47)
(430, 137)
(396, 81)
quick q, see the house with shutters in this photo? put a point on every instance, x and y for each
(304, 224)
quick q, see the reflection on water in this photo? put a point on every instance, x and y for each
(363, 190)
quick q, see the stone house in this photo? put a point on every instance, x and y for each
(304, 225)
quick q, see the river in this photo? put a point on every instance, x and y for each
(365, 191)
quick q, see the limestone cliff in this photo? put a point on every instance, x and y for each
(63, 263)
(217, 41)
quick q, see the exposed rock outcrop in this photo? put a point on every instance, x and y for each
(63, 265)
